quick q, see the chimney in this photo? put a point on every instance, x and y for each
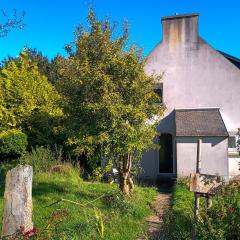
(180, 30)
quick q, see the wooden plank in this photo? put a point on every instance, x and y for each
(204, 183)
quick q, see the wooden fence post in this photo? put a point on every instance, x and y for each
(196, 195)
(18, 200)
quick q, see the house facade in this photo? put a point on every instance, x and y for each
(200, 89)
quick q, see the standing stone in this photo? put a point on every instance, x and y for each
(18, 200)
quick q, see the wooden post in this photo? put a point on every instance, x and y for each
(209, 201)
(199, 155)
(196, 195)
(17, 200)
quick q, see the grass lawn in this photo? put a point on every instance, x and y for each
(123, 219)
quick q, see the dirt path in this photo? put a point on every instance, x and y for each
(162, 202)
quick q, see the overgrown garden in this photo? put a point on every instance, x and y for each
(95, 104)
(220, 222)
(64, 117)
(67, 116)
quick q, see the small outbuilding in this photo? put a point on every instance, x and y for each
(205, 124)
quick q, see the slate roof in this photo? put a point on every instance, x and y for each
(232, 59)
(200, 123)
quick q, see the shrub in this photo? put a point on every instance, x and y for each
(97, 174)
(12, 142)
(118, 202)
(220, 222)
(103, 174)
(41, 158)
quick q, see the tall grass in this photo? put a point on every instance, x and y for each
(42, 158)
(120, 218)
(221, 222)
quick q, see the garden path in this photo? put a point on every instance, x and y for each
(156, 221)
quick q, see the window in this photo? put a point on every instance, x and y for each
(233, 144)
(159, 91)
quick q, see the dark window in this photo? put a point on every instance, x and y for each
(159, 91)
(232, 142)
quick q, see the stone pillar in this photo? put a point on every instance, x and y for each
(18, 200)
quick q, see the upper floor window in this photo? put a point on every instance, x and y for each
(233, 143)
(159, 91)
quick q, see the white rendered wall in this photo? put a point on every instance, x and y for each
(214, 156)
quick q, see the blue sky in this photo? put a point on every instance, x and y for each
(51, 23)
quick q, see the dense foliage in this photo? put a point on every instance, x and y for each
(27, 100)
(220, 222)
(109, 98)
(23, 91)
(13, 142)
(42, 158)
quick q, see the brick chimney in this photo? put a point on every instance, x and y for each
(180, 30)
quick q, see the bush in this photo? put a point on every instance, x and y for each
(103, 174)
(118, 202)
(42, 158)
(220, 222)
(97, 174)
(12, 142)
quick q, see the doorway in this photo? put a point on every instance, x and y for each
(165, 153)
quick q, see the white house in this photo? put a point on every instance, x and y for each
(201, 91)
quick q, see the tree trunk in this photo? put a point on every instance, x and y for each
(126, 183)
(130, 182)
(124, 168)
(18, 200)
(124, 186)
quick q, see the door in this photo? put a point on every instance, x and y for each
(165, 154)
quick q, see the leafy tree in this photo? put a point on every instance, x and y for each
(25, 94)
(45, 66)
(41, 60)
(109, 99)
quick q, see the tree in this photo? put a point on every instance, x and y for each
(42, 61)
(45, 66)
(13, 22)
(109, 98)
(25, 94)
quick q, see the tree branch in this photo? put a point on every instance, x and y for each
(13, 22)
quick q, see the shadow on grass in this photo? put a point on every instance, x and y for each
(43, 189)
(46, 188)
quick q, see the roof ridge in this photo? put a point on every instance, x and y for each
(198, 109)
